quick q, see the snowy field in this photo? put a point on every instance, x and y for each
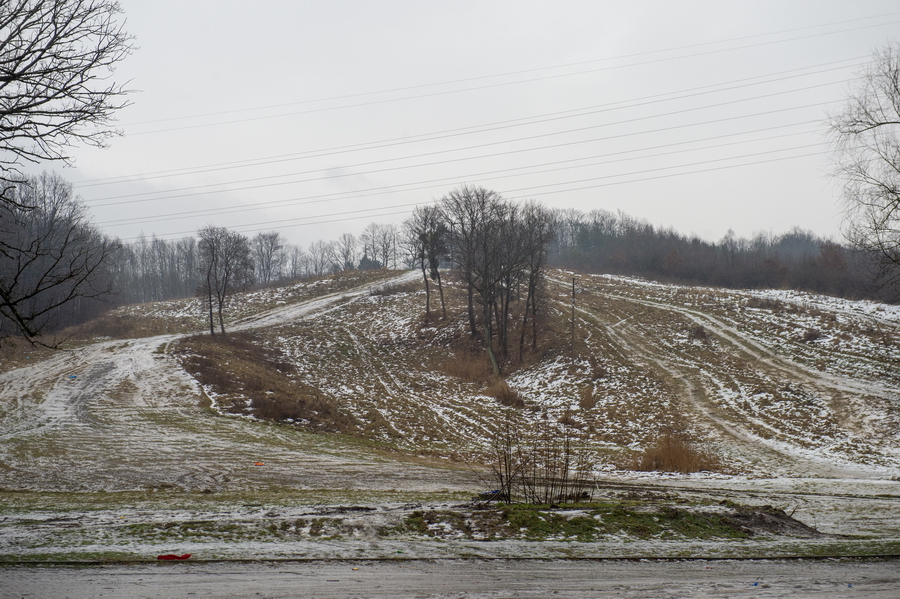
(112, 451)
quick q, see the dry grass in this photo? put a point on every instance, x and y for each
(128, 326)
(254, 380)
(499, 390)
(673, 452)
(467, 365)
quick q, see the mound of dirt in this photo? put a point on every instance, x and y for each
(768, 520)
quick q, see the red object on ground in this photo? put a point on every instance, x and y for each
(171, 556)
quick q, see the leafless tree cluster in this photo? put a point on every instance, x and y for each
(546, 462)
(601, 241)
(425, 238)
(51, 259)
(56, 57)
(155, 269)
(499, 250)
(226, 266)
(866, 137)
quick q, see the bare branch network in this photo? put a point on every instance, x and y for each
(866, 139)
(56, 59)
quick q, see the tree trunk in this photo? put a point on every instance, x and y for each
(441, 290)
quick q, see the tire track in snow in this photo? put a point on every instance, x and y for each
(778, 455)
(131, 419)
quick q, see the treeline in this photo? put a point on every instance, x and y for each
(615, 243)
(499, 251)
(56, 269)
(158, 269)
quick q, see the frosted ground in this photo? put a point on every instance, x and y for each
(113, 451)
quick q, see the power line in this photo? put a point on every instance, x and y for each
(96, 202)
(525, 121)
(282, 222)
(530, 168)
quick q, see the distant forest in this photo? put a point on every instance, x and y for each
(604, 242)
(594, 242)
(57, 269)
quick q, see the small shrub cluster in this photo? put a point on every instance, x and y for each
(811, 335)
(546, 462)
(698, 333)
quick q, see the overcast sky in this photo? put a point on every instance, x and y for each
(317, 118)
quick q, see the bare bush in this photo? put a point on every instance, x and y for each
(545, 463)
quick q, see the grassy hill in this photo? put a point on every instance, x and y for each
(761, 382)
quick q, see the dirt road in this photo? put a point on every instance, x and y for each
(472, 579)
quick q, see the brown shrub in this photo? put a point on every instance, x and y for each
(500, 391)
(586, 399)
(698, 333)
(674, 453)
(466, 365)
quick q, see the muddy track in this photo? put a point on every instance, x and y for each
(768, 446)
(123, 415)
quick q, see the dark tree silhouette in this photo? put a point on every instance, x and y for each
(55, 60)
(50, 256)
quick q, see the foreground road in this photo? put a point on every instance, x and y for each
(460, 578)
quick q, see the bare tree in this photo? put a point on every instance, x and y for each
(298, 262)
(227, 268)
(269, 256)
(425, 238)
(50, 256)
(55, 60)
(866, 138)
(347, 250)
(321, 257)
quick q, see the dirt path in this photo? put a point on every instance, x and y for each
(123, 415)
(766, 443)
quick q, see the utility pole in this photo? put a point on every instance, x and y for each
(573, 313)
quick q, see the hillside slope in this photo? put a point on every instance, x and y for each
(774, 383)
(797, 396)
